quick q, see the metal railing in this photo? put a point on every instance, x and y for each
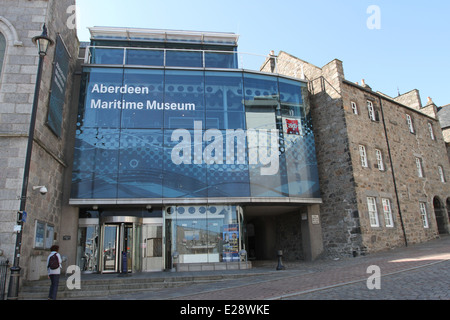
(161, 57)
(4, 267)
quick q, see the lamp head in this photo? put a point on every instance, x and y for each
(43, 41)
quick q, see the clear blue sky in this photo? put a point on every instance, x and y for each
(411, 50)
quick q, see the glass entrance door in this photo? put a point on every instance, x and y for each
(117, 247)
(152, 247)
(110, 248)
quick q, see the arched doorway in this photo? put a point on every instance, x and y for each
(440, 215)
(448, 208)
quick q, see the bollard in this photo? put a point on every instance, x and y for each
(280, 265)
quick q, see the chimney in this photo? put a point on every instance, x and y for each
(363, 84)
(273, 62)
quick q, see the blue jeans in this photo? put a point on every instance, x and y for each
(54, 278)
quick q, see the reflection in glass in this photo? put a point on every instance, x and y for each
(106, 56)
(140, 163)
(204, 233)
(183, 99)
(221, 60)
(151, 83)
(87, 248)
(184, 173)
(145, 57)
(224, 100)
(110, 248)
(96, 163)
(176, 58)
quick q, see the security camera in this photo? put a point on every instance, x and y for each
(42, 189)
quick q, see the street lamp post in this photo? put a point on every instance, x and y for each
(43, 42)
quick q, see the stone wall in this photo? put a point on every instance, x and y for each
(412, 189)
(20, 21)
(410, 99)
(346, 184)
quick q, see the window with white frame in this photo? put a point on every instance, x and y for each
(380, 162)
(441, 173)
(363, 156)
(409, 121)
(373, 213)
(419, 167)
(354, 107)
(423, 214)
(430, 128)
(371, 110)
(387, 213)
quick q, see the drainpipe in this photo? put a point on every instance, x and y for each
(393, 173)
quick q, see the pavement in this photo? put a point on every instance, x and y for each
(416, 272)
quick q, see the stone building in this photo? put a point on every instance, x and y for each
(444, 119)
(383, 166)
(20, 21)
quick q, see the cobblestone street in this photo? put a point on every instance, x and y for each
(425, 283)
(417, 272)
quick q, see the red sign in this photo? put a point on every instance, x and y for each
(292, 127)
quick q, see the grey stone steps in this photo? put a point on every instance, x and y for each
(37, 290)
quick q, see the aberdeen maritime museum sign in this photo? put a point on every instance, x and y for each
(133, 105)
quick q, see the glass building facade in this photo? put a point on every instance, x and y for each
(181, 129)
(154, 134)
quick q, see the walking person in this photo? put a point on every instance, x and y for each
(54, 271)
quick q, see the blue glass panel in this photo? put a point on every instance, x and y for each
(226, 60)
(141, 163)
(146, 87)
(266, 165)
(184, 173)
(183, 99)
(260, 87)
(224, 100)
(301, 166)
(128, 152)
(106, 163)
(227, 169)
(82, 185)
(184, 59)
(145, 57)
(96, 161)
(102, 94)
(291, 91)
(106, 56)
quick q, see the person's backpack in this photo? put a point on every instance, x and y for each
(53, 262)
